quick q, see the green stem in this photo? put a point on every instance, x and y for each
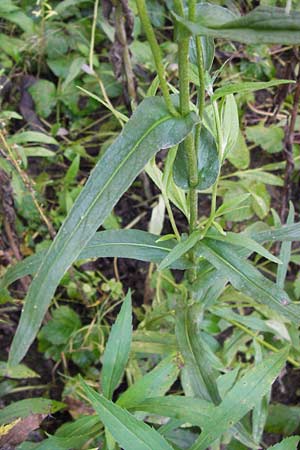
(156, 54)
(92, 43)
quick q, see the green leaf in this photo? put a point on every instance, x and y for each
(269, 138)
(153, 343)
(135, 244)
(17, 372)
(187, 409)
(246, 86)
(263, 25)
(58, 330)
(117, 349)
(208, 49)
(44, 96)
(208, 163)
(129, 432)
(150, 129)
(241, 399)
(180, 249)
(24, 408)
(283, 419)
(40, 152)
(283, 233)
(155, 383)
(290, 443)
(230, 125)
(285, 252)
(32, 136)
(241, 240)
(73, 71)
(246, 278)
(201, 375)
(239, 154)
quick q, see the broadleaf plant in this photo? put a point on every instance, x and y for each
(220, 283)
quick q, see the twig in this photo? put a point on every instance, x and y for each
(288, 150)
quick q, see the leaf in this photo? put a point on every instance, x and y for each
(151, 128)
(24, 408)
(58, 330)
(112, 243)
(32, 136)
(208, 50)
(283, 419)
(74, 70)
(202, 376)
(289, 443)
(269, 138)
(129, 432)
(117, 349)
(40, 152)
(155, 383)
(246, 86)
(44, 96)
(283, 233)
(187, 409)
(285, 252)
(230, 125)
(180, 249)
(17, 372)
(241, 240)
(16, 432)
(153, 343)
(208, 163)
(239, 154)
(263, 25)
(241, 399)
(157, 217)
(246, 278)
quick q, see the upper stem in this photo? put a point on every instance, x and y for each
(156, 54)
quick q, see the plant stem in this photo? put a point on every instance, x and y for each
(261, 341)
(92, 43)
(183, 66)
(156, 54)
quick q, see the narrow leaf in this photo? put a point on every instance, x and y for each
(290, 443)
(245, 277)
(135, 244)
(150, 129)
(263, 25)
(180, 249)
(241, 399)
(117, 349)
(129, 432)
(285, 252)
(155, 383)
(246, 86)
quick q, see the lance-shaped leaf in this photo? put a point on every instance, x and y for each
(246, 86)
(208, 163)
(117, 349)
(188, 409)
(201, 373)
(245, 277)
(129, 432)
(135, 244)
(155, 383)
(241, 399)
(284, 233)
(290, 443)
(285, 252)
(263, 25)
(180, 249)
(150, 129)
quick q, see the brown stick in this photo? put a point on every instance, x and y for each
(288, 151)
